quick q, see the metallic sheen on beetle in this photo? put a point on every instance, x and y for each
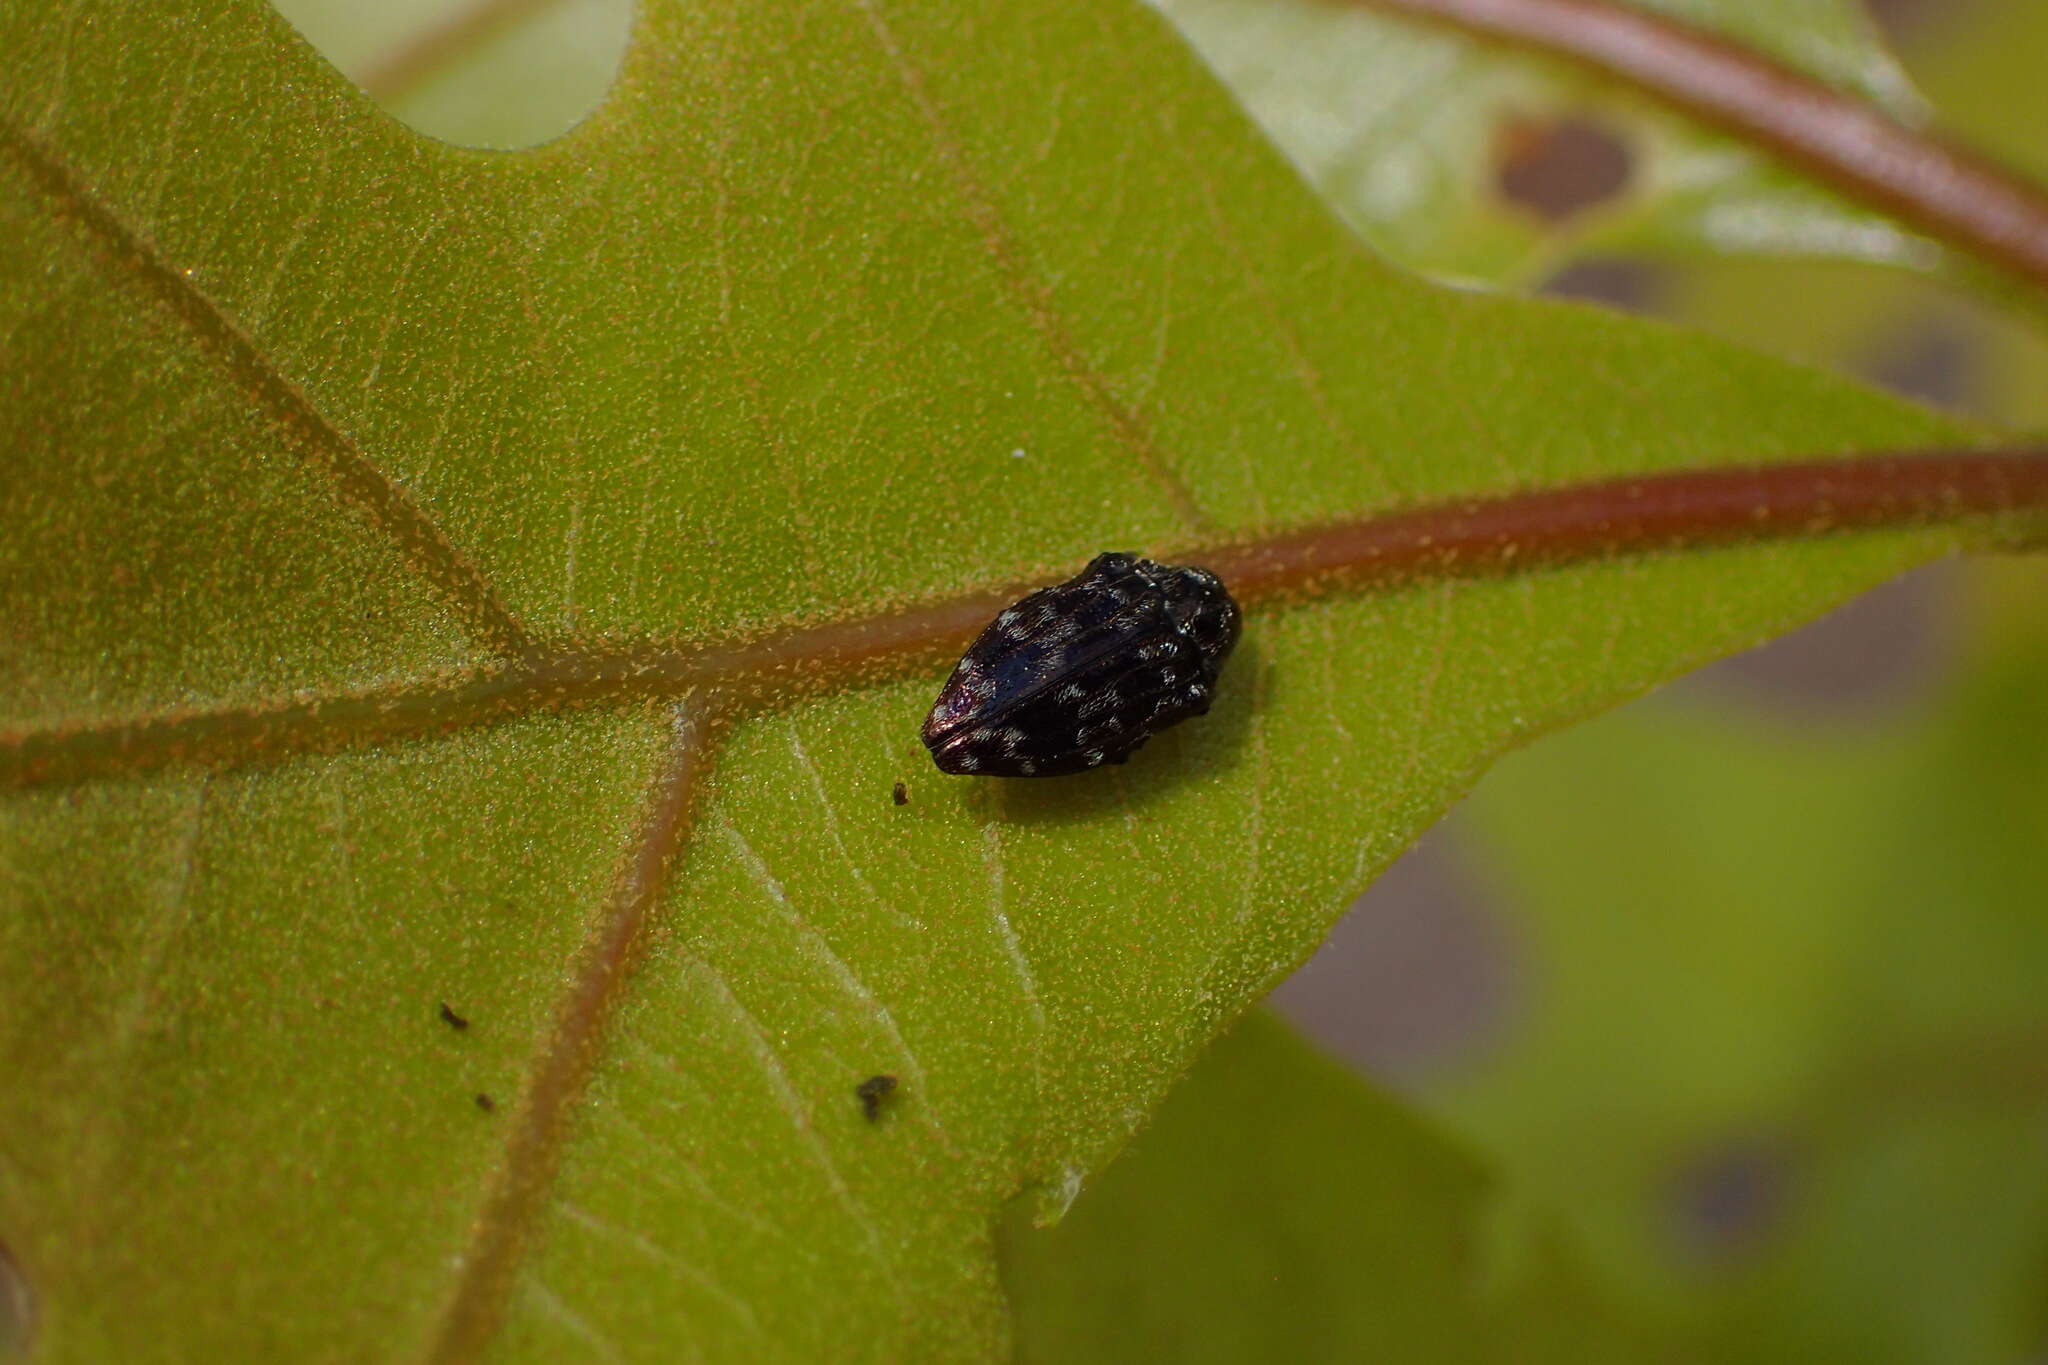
(1084, 672)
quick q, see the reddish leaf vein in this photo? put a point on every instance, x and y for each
(596, 980)
(1514, 533)
(1029, 292)
(126, 256)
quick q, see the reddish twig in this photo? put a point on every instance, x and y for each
(1950, 193)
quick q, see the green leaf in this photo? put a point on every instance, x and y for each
(1277, 1209)
(329, 433)
(1415, 133)
(1802, 962)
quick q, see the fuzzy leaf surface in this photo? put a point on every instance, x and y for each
(828, 311)
(1279, 1208)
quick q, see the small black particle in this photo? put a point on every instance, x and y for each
(485, 1102)
(901, 795)
(452, 1019)
(872, 1092)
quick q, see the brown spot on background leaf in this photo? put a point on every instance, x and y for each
(1558, 169)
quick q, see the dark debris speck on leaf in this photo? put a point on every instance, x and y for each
(872, 1092)
(485, 1102)
(452, 1019)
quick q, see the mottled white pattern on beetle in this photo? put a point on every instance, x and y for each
(1088, 736)
(1059, 632)
(1102, 701)
(1095, 645)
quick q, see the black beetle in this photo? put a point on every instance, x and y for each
(1084, 672)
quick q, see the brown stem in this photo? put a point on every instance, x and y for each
(1513, 533)
(1952, 194)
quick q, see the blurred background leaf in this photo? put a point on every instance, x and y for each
(1784, 1053)
(1279, 1209)
(1481, 162)
(1802, 895)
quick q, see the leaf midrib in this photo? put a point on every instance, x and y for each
(1487, 537)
